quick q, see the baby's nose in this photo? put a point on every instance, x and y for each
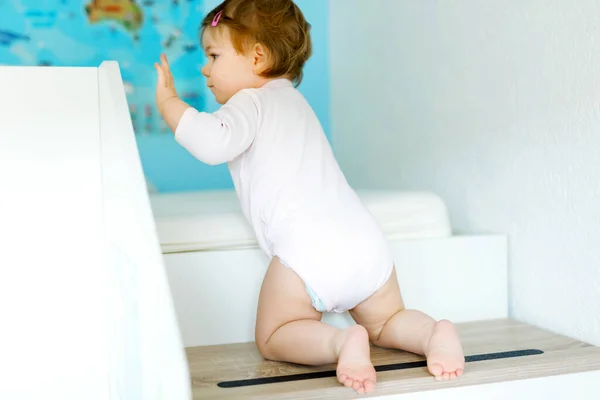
(205, 71)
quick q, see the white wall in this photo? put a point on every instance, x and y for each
(494, 105)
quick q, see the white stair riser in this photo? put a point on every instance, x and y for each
(461, 278)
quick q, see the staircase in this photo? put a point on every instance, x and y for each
(462, 278)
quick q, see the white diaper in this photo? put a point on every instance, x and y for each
(339, 252)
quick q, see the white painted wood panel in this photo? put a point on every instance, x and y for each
(85, 306)
(51, 280)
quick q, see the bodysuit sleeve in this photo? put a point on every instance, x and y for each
(221, 136)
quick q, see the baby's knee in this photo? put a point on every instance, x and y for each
(264, 347)
(268, 351)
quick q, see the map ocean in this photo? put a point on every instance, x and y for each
(85, 33)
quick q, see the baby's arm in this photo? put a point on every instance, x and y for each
(172, 110)
(222, 136)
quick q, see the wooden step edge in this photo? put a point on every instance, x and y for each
(561, 355)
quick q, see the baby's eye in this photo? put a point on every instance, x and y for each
(213, 56)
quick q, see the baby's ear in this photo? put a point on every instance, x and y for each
(260, 58)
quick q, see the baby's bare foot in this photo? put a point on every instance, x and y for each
(354, 368)
(445, 357)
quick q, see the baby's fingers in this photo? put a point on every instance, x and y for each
(161, 74)
(163, 59)
(167, 69)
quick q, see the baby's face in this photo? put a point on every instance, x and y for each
(226, 71)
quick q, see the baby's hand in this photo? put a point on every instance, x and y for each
(165, 87)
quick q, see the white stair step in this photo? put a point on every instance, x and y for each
(560, 356)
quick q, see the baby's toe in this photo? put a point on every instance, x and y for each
(349, 382)
(436, 370)
(369, 385)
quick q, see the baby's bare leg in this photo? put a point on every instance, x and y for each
(289, 329)
(390, 325)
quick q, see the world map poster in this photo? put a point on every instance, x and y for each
(133, 33)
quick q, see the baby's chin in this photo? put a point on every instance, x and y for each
(222, 99)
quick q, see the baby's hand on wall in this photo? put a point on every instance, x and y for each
(165, 86)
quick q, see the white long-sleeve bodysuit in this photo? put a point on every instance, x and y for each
(292, 191)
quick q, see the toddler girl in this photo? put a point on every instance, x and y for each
(327, 252)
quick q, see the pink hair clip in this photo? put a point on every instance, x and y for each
(217, 18)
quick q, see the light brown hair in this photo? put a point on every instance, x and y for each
(278, 25)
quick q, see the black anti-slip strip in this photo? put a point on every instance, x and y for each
(379, 368)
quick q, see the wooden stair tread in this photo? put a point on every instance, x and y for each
(210, 365)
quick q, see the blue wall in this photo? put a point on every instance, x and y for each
(170, 168)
